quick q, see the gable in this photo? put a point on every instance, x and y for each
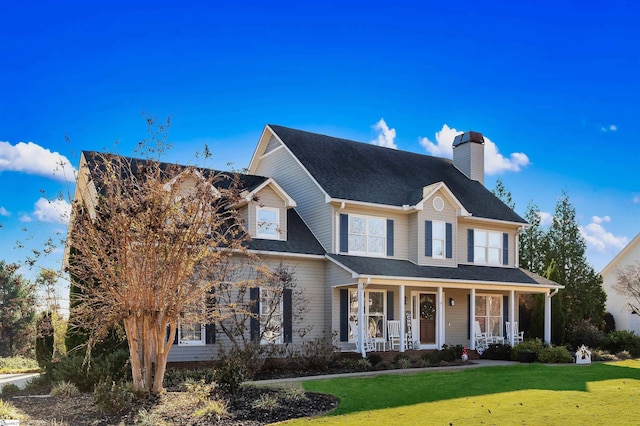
(348, 170)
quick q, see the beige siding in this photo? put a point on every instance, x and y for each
(308, 294)
(335, 275)
(456, 318)
(412, 229)
(267, 197)
(400, 227)
(463, 226)
(447, 215)
(312, 207)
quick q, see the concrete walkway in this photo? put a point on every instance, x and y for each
(294, 381)
(19, 380)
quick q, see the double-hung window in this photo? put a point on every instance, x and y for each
(487, 247)
(489, 313)
(267, 223)
(438, 239)
(374, 312)
(191, 333)
(270, 316)
(367, 235)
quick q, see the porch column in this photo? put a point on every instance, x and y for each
(401, 317)
(440, 320)
(472, 319)
(512, 316)
(361, 327)
(547, 318)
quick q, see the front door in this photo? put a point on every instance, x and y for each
(424, 313)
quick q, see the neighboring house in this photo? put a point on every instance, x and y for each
(618, 305)
(375, 234)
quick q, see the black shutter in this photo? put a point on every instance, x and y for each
(428, 237)
(344, 233)
(389, 305)
(287, 314)
(210, 333)
(469, 245)
(505, 248)
(449, 242)
(254, 323)
(469, 316)
(175, 338)
(344, 315)
(505, 314)
(389, 237)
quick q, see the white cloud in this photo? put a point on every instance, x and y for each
(25, 218)
(52, 210)
(33, 159)
(494, 162)
(386, 135)
(4, 212)
(609, 128)
(636, 199)
(546, 218)
(600, 240)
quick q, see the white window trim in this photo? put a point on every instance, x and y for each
(201, 342)
(366, 312)
(277, 222)
(486, 247)
(366, 236)
(280, 338)
(434, 239)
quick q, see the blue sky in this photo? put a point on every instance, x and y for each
(553, 86)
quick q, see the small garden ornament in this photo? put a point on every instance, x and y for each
(583, 355)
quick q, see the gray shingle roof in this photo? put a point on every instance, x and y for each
(364, 172)
(300, 239)
(405, 269)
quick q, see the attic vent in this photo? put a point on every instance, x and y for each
(272, 145)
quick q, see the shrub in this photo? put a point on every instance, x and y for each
(374, 359)
(200, 390)
(534, 345)
(9, 389)
(112, 397)
(38, 384)
(294, 394)
(363, 364)
(44, 340)
(600, 355)
(623, 355)
(404, 363)
(266, 402)
(64, 389)
(554, 355)
(319, 353)
(583, 332)
(215, 407)
(8, 411)
(106, 367)
(497, 351)
(621, 340)
(609, 323)
(173, 378)
(230, 373)
(147, 418)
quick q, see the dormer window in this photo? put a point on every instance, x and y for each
(268, 223)
(367, 235)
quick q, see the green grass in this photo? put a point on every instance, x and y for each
(518, 394)
(15, 365)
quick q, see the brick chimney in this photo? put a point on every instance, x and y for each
(468, 155)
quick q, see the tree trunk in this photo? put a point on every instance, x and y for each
(131, 330)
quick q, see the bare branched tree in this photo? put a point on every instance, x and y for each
(628, 284)
(149, 241)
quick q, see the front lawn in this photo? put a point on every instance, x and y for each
(525, 394)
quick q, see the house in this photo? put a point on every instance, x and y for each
(376, 234)
(620, 306)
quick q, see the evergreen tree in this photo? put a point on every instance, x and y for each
(17, 312)
(583, 296)
(501, 192)
(534, 242)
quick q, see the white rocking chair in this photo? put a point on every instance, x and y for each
(393, 333)
(518, 337)
(369, 343)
